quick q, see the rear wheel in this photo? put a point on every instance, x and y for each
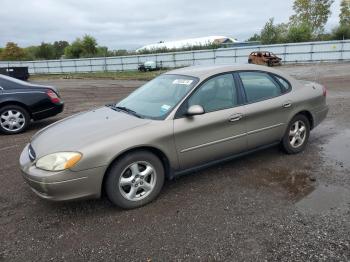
(297, 135)
(135, 180)
(13, 119)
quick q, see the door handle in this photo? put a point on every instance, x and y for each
(287, 104)
(236, 118)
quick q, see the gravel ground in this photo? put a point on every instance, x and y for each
(264, 207)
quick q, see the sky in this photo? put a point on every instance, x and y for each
(130, 24)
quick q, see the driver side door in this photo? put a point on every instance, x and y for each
(219, 132)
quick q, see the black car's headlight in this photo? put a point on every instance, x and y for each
(58, 161)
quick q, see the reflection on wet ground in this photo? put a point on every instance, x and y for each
(337, 150)
(300, 187)
(295, 183)
(326, 199)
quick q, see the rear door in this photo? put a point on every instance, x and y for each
(219, 132)
(267, 107)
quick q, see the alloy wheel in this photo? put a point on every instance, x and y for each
(137, 181)
(12, 120)
(297, 134)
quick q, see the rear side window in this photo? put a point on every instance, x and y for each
(285, 85)
(6, 84)
(259, 86)
(3, 84)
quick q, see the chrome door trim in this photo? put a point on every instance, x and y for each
(264, 129)
(38, 112)
(229, 138)
(213, 143)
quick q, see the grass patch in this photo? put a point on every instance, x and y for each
(124, 75)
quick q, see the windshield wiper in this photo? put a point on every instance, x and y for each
(125, 109)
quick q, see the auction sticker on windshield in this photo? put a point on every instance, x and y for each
(186, 82)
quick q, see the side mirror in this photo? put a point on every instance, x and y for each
(195, 110)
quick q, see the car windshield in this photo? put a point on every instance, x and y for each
(157, 98)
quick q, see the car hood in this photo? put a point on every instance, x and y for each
(78, 131)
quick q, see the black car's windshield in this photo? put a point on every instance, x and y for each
(157, 98)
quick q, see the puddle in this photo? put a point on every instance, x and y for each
(337, 150)
(326, 199)
(295, 183)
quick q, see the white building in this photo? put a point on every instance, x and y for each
(189, 43)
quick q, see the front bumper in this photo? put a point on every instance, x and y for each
(63, 185)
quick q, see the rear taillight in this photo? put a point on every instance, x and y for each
(53, 96)
(324, 91)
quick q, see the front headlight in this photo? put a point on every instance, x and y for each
(58, 161)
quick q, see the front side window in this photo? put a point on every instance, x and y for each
(259, 86)
(217, 93)
(158, 97)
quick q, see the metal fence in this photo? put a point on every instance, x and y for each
(290, 53)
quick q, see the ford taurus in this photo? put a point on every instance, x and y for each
(183, 120)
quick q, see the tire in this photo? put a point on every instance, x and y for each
(13, 119)
(269, 64)
(250, 61)
(297, 135)
(127, 187)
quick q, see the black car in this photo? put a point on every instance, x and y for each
(21, 102)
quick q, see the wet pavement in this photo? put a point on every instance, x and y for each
(337, 149)
(267, 206)
(325, 198)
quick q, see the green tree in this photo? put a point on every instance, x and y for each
(86, 47)
(344, 15)
(103, 51)
(273, 34)
(89, 45)
(120, 52)
(45, 51)
(255, 37)
(299, 33)
(12, 52)
(74, 50)
(314, 13)
(341, 32)
(30, 53)
(59, 47)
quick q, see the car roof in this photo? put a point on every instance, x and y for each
(203, 72)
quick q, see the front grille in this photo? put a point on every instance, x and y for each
(31, 153)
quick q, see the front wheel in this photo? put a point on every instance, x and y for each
(13, 119)
(135, 180)
(297, 135)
